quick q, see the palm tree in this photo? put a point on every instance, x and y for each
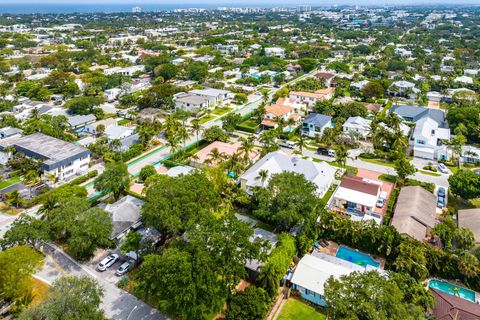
(234, 164)
(341, 155)
(248, 144)
(262, 176)
(115, 144)
(393, 121)
(215, 156)
(301, 143)
(196, 128)
(265, 96)
(13, 198)
(52, 177)
(281, 124)
(34, 114)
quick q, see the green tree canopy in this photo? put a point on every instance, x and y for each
(465, 184)
(288, 200)
(17, 265)
(69, 298)
(250, 304)
(115, 179)
(171, 204)
(368, 295)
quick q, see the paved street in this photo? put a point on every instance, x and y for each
(117, 303)
(358, 163)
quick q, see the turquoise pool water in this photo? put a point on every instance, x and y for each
(356, 257)
(452, 289)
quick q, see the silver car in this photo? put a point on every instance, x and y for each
(107, 262)
(124, 268)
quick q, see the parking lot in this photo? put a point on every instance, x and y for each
(109, 274)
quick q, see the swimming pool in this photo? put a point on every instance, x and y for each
(356, 257)
(452, 289)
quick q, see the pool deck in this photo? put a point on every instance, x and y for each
(332, 249)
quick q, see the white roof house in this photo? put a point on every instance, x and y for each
(320, 173)
(427, 140)
(314, 270)
(359, 85)
(357, 124)
(118, 132)
(464, 79)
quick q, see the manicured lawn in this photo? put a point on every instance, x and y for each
(430, 173)
(297, 310)
(123, 122)
(221, 110)
(9, 182)
(379, 162)
(206, 118)
(248, 126)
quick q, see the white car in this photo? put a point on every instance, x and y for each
(442, 168)
(107, 262)
(123, 268)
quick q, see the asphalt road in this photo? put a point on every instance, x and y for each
(117, 303)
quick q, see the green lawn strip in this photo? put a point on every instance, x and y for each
(297, 310)
(206, 119)
(221, 111)
(430, 173)
(328, 195)
(379, 162)
(9, 182)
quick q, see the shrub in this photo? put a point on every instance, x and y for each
(86, 177)
(367, 155)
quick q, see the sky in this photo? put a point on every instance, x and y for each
(229, 3)
(242, 2)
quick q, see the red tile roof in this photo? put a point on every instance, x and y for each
(358, 184)
(450, 307)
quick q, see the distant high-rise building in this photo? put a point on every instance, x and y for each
(304, 8)
(136, 9)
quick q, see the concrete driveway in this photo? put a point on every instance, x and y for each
(117, 303)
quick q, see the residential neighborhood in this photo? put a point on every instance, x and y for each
(239, 162)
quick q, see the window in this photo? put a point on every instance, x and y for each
(420, 141)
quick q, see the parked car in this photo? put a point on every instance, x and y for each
(441, 192)
(287, 144)
(326, 152)
(380, 203)
(107, 262)
(442, 168)
(124, 268)
(441, 202)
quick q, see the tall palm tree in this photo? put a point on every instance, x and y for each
(341, 155)
(248, 144)
(262, 176)
(196, 128)
(301, 143)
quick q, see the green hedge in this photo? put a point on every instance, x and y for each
(367, 155)
(246, 128)
(82, 179)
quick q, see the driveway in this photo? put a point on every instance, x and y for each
(117, 303)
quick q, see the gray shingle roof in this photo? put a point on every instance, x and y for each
(417, 113)
(317, 119)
